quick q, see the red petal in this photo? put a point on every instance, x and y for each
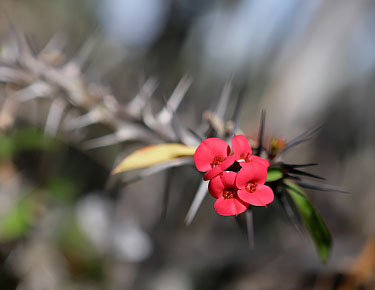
(208, 150)
(219, 147)
(220, 168)
(214, 172)
(219, 183)
(255, 161)
(261, 197)
(251, 172)
(240, 146)
(228, 207)
(228, 162)
(203, 158)
(259, 173)
(216, 187)
(229, 179)
(259, 160)
(243, 177)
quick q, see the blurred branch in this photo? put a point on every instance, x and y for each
(51, 75)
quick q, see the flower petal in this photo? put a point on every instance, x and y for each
(259, 160)
(213, 173)
(259, 173)
(219, 147)
(229, 179)
(228, 207)
(219, 183)
(255, 161)
(220, 168)
(203, 158)
(216, 187)
(208, 150)
(261, 197)
(240, 146)
(244, 176)
(251, 172)
(228, 162)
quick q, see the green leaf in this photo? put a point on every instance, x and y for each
(312, 220)
(25, 139)
(274, 173)
(6, 147)
(30, 139)
(17, 221)
(62, 189)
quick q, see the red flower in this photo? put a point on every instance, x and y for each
(223, 187)
(250, 183)
(213, 157)
(242, 153)
(233, 191)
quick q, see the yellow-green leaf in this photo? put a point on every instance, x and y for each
(274, 173)
(153, 154)
(312, 220)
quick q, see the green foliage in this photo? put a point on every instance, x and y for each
(312, 220)
(274, 173)
(18, 220)
(26, 139)
(29, 139)
(73, 241)
(61, 189)
(6, 147)
(82, 258)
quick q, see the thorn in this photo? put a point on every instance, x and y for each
(300, 172)
(166, 114)
(320, 186)
(223, 100)
(168, 186)
(54, 117)
(298, 165)
(261, 132)
(305, 136)
(198, 199)
(136, 105)
(250, 227)
(237, 109)
(285, 204)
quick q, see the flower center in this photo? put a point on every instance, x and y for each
(251, 187)
(246, 157)
(216, 161)
(229, 193)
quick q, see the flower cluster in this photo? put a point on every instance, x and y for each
(236, 178)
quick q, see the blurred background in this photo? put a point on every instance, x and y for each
(76, 77)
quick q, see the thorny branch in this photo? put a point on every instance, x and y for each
(26, 76)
